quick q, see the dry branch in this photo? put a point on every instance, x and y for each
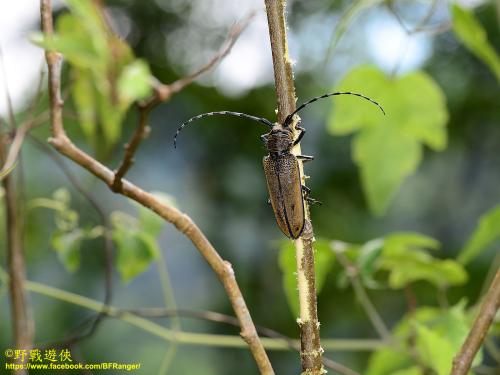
(22, 321)
(311, 350)
(181, 221)
(463, 360)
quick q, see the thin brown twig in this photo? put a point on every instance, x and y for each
(22, 320)
(489, 307)
(17, 142)
(164, 92)
(181, 221)
(311, 350)
(131, 147)
(422, 26)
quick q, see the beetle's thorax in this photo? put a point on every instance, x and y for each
(279, 140)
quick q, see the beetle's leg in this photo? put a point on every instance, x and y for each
(263, 137)
(305, 158)
(309, 200)
(301, 134)
(313, 201)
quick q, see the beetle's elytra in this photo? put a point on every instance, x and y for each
(281, 167)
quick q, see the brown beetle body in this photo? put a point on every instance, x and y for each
(284, 182)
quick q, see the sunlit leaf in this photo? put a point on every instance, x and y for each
(67, 246)
(472, 34)
(434, 349)
(389, 148)
(134, 82)
(324, 260)
(444, 334)
(486, 233)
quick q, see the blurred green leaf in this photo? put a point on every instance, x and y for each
(134, 82)
(389, 148)
(414, 370)
(487, 232)
(324, 260)
(405, 258)
(84, 98)
(107, 78)
(434, 349)
(288, 266)
(411, 266)
(437, 335)
(369, 253)
(410, 240)
(443, 334)
(67, 246)
(136, 248)
(472, 34)
(388, 361)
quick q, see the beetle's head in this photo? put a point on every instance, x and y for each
(279, 139)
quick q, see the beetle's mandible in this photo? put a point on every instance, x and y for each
(281, 167)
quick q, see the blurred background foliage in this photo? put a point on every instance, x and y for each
(402, 195)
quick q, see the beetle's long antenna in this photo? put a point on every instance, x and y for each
(288, 119)
(238, 114)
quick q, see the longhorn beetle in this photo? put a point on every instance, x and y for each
(281, 167)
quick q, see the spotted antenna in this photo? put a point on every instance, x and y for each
(238, 114)
(289, 118)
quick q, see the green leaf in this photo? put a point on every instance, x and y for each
(434, 349)
(472, 34)
(324, 260)
(405, 258)
(137, 249)
(134, 83)
(413, 266)
(414, 370)
(369, 254)
(67, 245)
(388, 361)
(401, 241)
(443, 334)
(389, 148)
(107, 77)
(383, 170)
(487, 232)
(84, 97)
